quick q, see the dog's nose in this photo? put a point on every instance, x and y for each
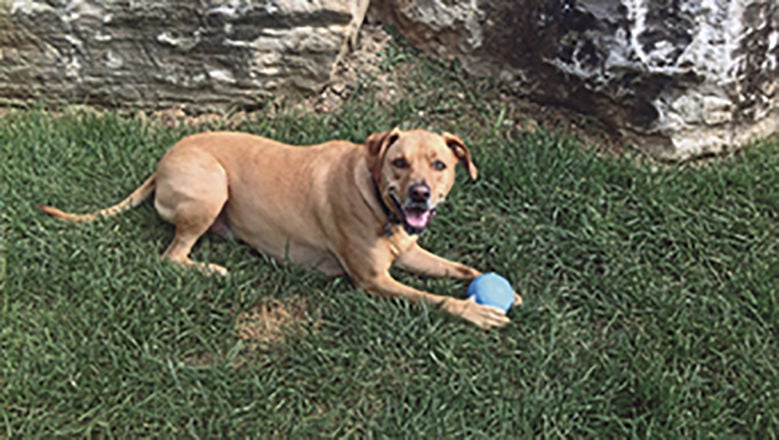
(419, 192)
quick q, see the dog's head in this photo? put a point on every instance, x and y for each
(414, 171)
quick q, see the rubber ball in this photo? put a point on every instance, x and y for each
(492, 289)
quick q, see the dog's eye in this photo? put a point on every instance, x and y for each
(439, 165)
(400, 163)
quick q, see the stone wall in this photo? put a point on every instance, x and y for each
(678, 78)
(202, 55)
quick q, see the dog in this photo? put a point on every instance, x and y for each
(339, 207)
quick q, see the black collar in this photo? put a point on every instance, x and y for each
(392, 218)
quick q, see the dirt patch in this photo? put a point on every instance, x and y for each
(364, 65)
(271, 321)
(176, 117)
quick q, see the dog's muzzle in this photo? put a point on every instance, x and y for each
(417, 212)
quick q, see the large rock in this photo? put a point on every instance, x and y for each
(204, 55)
(679, 78)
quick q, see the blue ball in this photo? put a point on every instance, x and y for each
(491, 289)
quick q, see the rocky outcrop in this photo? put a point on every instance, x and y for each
(203, 55)
(678, 78)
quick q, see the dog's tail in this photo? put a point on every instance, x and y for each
(133, 200)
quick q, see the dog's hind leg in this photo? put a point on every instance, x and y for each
(187, 234)
(191, 192)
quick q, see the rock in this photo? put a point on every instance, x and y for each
(200, 55)
(678, 78)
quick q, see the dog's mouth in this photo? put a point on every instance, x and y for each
(416, 216)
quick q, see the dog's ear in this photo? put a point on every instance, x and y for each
(377, 144)
(462, 153)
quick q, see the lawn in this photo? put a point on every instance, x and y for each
(650, 294)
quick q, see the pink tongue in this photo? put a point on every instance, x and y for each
(417, 219)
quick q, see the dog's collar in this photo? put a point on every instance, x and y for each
(392, 218)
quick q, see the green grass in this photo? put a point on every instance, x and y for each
(650, 295)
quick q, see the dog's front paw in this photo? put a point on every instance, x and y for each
(486, 317)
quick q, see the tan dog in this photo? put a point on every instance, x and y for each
(338, 206)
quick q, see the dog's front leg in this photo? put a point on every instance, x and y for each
(384, 285)
(423, 262)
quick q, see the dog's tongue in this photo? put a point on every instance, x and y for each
(417, 218)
